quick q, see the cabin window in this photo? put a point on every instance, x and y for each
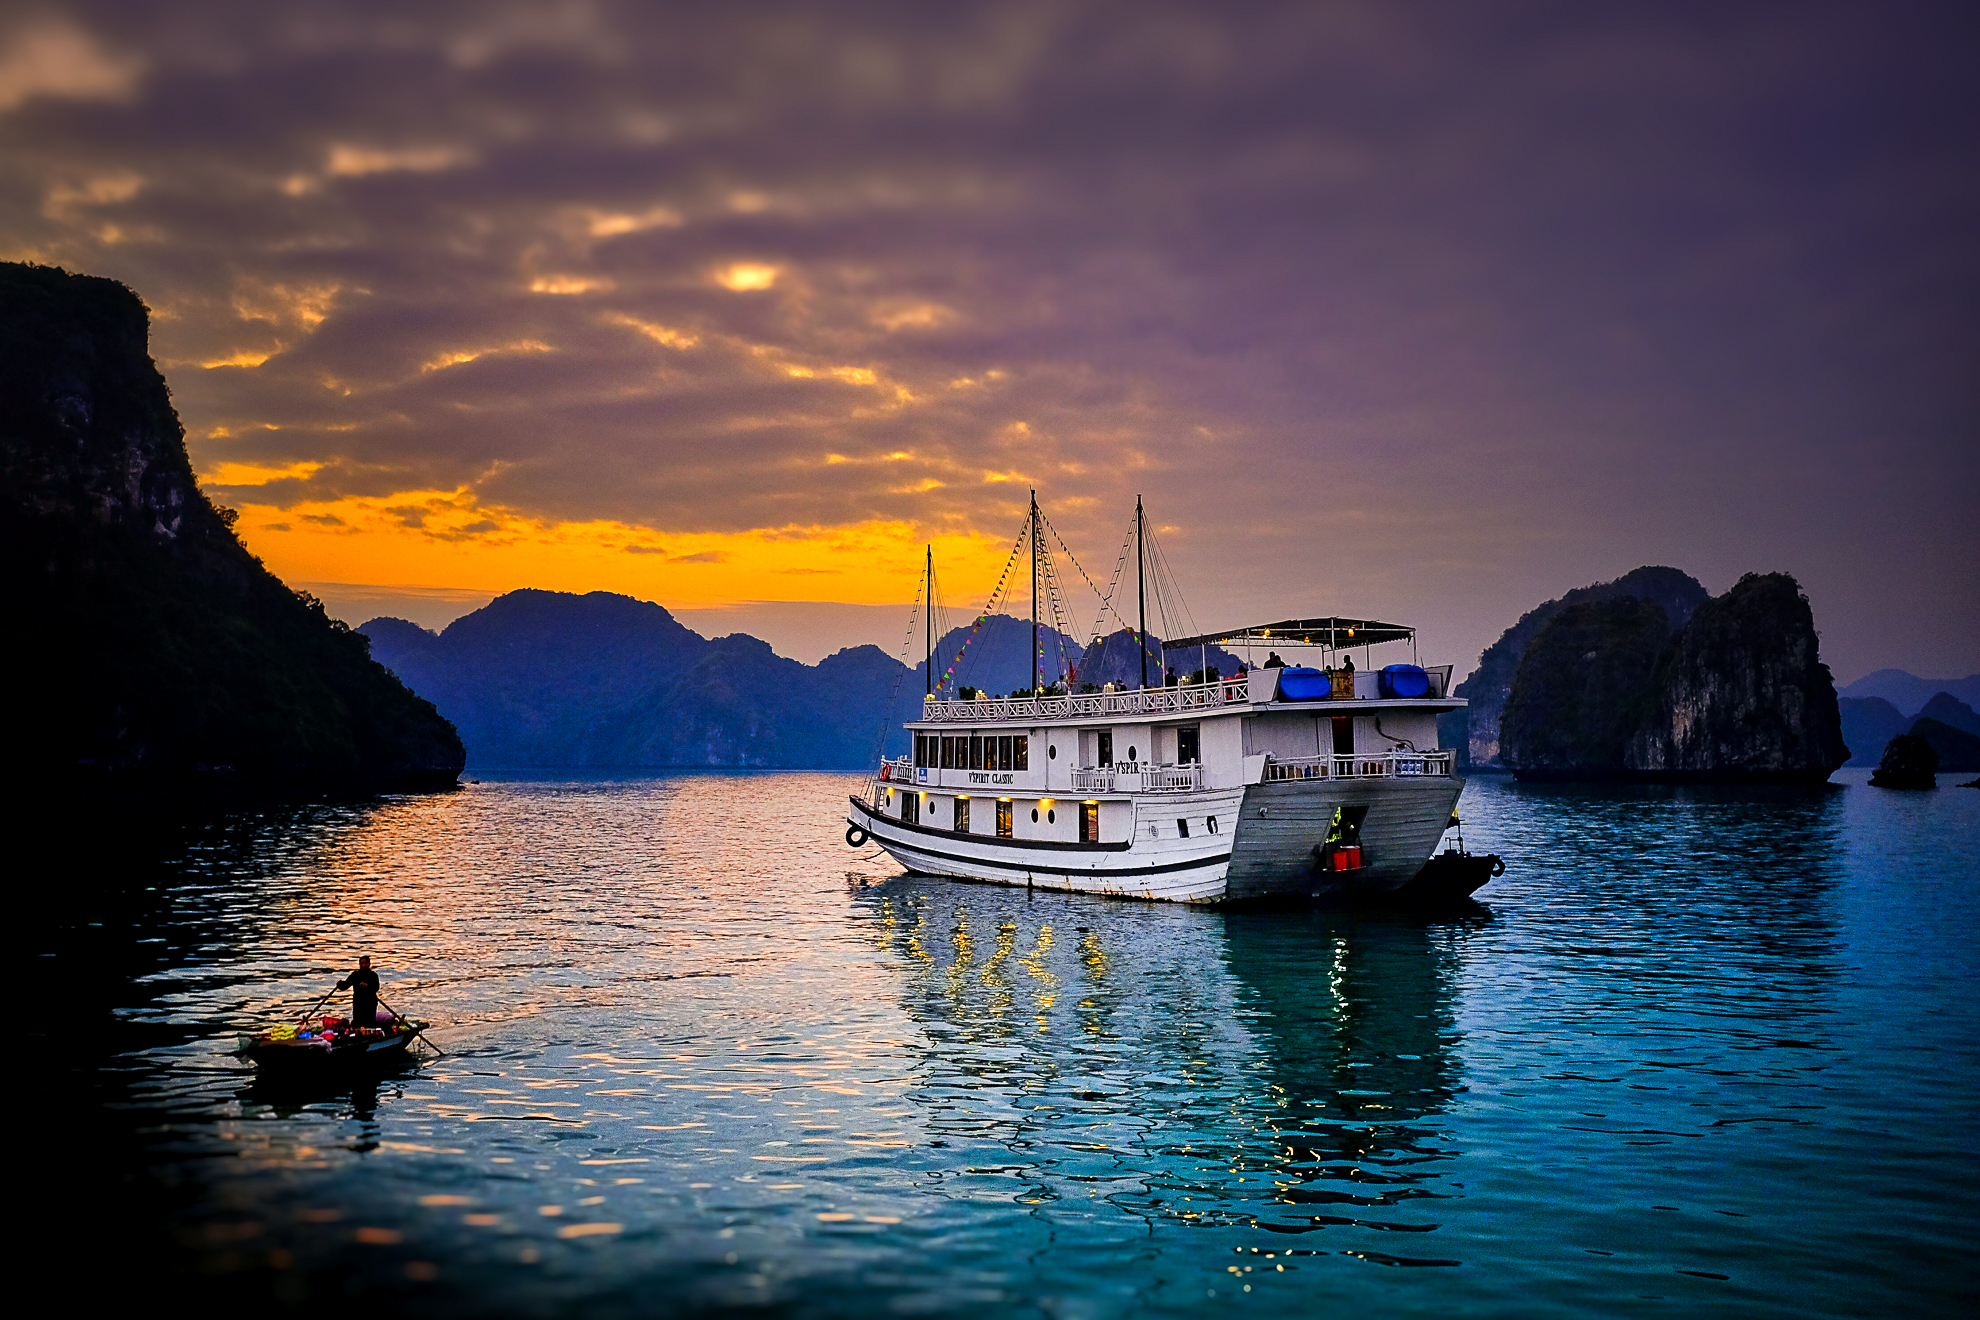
(1343, 735)
(1020, 753)
(962, 815)
(1210, 822)
(921, 749)
(1034, 815)
(1004, 818)
(1089, 822)
(1132, 758)
(911, 808)
(976, 751)
(1106, 747)
(948, 751)
(1189, 745)
(1182, 828)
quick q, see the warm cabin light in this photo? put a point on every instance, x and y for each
(1047, 803)
(1093, 802)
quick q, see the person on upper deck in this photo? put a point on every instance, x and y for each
(1272, 661)
(363, 985)
(1347, 664)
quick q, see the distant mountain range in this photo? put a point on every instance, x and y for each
(546, 679)
(1908, 693)
(1949, 724)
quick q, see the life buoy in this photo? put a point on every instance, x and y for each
(856, 837)
(1498, 864)
(886, 772)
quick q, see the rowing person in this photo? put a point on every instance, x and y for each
(363, 985)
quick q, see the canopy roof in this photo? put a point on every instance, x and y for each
(1333, 632)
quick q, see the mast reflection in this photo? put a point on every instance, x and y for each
(1280, 1070)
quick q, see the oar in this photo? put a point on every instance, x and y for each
(313, 1007)
(417, 1031)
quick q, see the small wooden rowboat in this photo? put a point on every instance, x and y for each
(332, 1044)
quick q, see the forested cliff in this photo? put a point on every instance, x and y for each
(163, 653)
(1610, 690)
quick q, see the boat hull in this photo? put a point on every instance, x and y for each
(1269, 846)
(305, 1057)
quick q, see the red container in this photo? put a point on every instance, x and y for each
(1347, 859)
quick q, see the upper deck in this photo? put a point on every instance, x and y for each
(1249, 693)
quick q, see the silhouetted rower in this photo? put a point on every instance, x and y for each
(363, 985)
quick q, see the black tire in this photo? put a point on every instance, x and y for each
(856, 837)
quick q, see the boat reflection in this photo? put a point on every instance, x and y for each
(1285, 1071)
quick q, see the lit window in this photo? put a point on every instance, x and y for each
(1003, 818)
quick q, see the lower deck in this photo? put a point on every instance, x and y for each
(1259, 841)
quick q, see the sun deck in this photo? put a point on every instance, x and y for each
(1255, 690)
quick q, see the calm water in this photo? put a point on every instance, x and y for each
(1695, 1052)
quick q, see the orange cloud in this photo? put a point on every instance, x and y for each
(449, 536)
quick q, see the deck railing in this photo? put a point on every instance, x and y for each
(1139, 701)
(1131, 778)
(1365, 765)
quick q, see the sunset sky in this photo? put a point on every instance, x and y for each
(1424, 312)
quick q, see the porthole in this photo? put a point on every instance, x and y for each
(1034, 815)
(1212, 823)
(1052, 751)
(1131, 755)
(1051, 818)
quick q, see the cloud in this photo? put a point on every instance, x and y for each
(1380, 314)
(55, 58)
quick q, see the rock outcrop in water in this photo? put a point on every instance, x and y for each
(1909, 762)
(1583, 689)
(1738, 694)
(164, 654)
(1476, 729)
(1742, 693)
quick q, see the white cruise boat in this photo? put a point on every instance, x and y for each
(1285, 782)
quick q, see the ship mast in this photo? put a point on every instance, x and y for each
(1140, 593)
(1034, 593)
(928, 601)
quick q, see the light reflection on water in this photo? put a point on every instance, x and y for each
(1698, 1049)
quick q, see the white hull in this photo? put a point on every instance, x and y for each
(1274, 832)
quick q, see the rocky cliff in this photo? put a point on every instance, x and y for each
(1742, 693)
(1476, 729)
(164, 654)
(1584, 689)
(1738, 694)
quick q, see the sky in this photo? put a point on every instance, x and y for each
(1422, 312)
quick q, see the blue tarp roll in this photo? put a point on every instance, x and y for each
(1404, 681)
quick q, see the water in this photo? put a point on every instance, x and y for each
(1697, 1052)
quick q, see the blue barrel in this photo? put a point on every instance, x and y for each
(1298, 683)
(1404, 681)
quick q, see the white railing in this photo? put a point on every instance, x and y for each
(1368, 765)
(1171, 778)
(1139, 701)
(1128, 777)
